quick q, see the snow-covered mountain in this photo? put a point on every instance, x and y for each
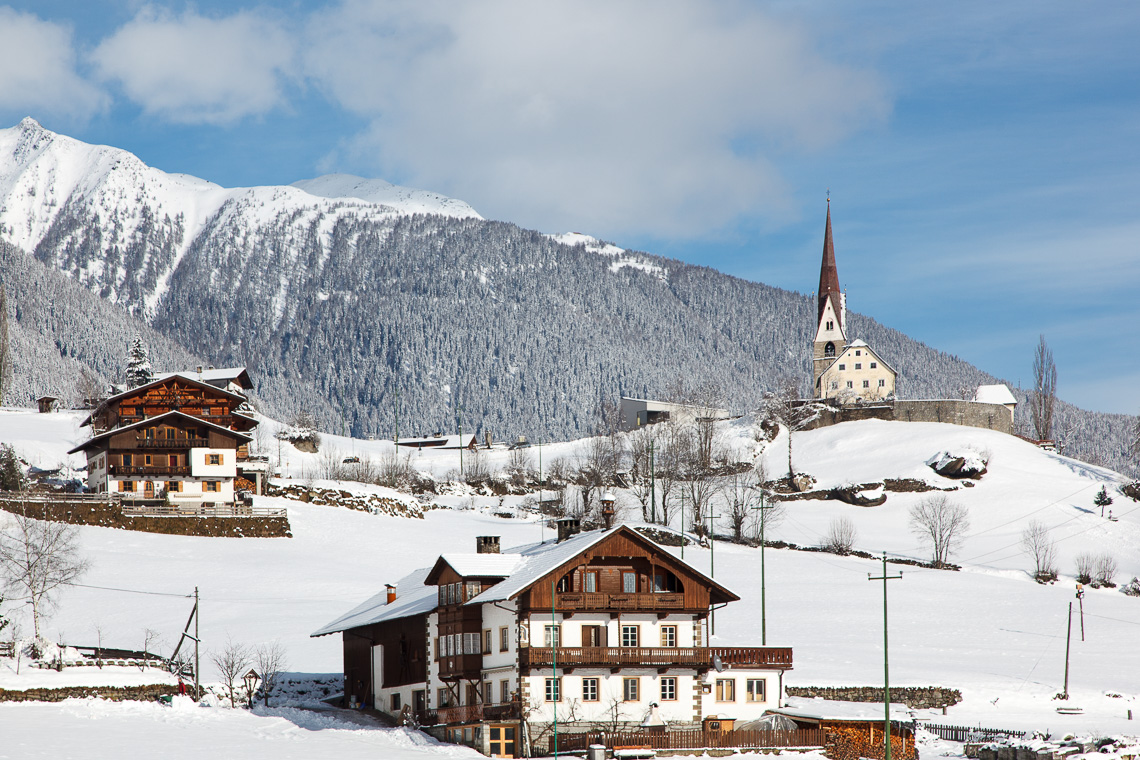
(340, 292)
(121, 227)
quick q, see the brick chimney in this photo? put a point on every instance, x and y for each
(568, 526)
(391, 592)
(486, 544)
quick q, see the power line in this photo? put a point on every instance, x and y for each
(131, 590)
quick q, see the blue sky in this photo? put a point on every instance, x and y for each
(982, 157)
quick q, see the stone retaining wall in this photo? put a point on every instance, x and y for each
(146, 693)
(109, 515)
(914, 697)
(365, 502)
(953, 411)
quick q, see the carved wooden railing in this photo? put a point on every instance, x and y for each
(698, 657)
(606, 601)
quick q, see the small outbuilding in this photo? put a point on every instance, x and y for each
(46, 404)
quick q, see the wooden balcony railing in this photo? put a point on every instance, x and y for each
(119, 469)
(605, 601)
(660, 657)
(172, 443)
(475, 713)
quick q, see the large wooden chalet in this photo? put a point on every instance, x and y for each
(601, 627)
(177, 438)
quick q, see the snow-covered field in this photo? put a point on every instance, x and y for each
(988, 630)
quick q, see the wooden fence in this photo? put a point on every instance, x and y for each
(968, 734)
(694, 739)
(222, 509)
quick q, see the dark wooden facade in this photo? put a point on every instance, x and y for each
(173, 394)
(404, 658)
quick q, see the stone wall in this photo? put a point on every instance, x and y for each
(333, 497)
(146, 693)
(952, 411)
(109, 515)
(914, 697)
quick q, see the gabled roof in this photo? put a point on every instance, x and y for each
(151, 421)
(160, 380)
(994, 394)
(238, 375)
(476, 565)
(544, 559)
(413, 597)
(860, 345)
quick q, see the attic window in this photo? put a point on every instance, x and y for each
(842, 367)
(858, 352)
(830, 325)
(858, 365)
(874, 365)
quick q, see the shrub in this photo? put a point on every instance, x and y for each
(841, 535)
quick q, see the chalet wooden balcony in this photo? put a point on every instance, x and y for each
(172, 443)
(475, 713)
(607, 601)
(144, 470)
(701, 658)
(460, 666)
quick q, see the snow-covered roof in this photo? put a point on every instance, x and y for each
(151, 421)
(212, 375)
(482, 565)
(994, 394)
(857, 343)
(412, 598)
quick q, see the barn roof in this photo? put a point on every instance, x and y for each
(413, 597)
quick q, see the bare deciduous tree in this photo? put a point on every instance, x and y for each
(1037, 543)
(231, 662)
(36, 558)
(1104, 571)
(1085, 563)
(270, 662)
(786, 408)
(1044, 394)
(941, 523)
(841, 536)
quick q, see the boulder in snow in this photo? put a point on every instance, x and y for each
(958, 464)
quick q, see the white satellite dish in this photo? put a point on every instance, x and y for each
(717, 663)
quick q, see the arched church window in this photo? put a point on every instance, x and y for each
(829, 349)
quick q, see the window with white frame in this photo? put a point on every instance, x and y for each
(504, 691)
(726, 690)
(874, 365)
(858, 365)
(866, 383)
(504, 638)
(668, 689)
(589, 690)
(668, 635)
(553, 689)
(631, 689)
(755, 690)
(552, 636)
(630, 635)
(882, 383)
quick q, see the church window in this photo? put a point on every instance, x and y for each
(858, 365)
(829, 349)
(830, 325)
(874, 365)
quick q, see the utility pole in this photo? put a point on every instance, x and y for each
(554, 642)
(886, 661)
(1068, 641)
(763, 601)
(1081, 602)
(197, 660)
(652, 487)
(712, 569)
(397, 439)
(682, 523)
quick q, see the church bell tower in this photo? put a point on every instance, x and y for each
(831, 332)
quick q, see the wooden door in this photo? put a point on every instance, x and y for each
(593, 636)
(502, 740)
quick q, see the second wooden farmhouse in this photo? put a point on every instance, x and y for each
(599, 627)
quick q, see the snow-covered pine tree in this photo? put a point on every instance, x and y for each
(138, 367)
(1102, 499)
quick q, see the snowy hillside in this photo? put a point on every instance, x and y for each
(988, 630)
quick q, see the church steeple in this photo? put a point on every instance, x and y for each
(829, 276)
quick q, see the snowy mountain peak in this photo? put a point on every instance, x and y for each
(406, 199)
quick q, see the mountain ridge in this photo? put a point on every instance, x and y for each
(338, 304)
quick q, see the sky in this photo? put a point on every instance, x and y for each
(982, 158)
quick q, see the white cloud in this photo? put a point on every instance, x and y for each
(37, 69)
(196, 69)
(609, 116)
